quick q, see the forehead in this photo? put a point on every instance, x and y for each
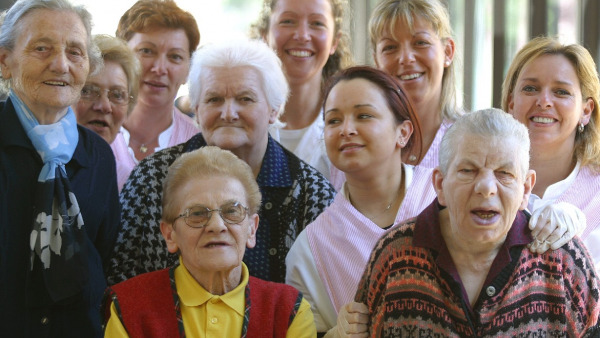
(322, 7)
(112, 74)
(487, 151)
(162, 37)
(561, 66)
(211, 191)
(354, 91)
(234, 79)
(407, 24)
(57, 26)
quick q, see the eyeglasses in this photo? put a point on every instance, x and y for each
(117, 96)
(199, 215)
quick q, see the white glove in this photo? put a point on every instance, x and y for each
(351, 322)
(554, 224)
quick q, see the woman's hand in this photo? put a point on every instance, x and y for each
(351, 322)
(554, 224)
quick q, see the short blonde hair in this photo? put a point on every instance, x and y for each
(342, 58)
(587, 143)
(388, 14)
(207, 162)
(116, 50)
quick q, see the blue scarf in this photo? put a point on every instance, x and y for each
(57, 238)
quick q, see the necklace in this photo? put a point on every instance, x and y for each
(143, 148)
(399, 196)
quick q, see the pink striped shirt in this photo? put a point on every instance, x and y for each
(341, 238)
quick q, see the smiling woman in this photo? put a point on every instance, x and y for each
(59, 210)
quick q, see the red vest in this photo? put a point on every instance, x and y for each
(146, 306)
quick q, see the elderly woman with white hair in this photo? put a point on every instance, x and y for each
(237, 90)
(462, 267)
(59, 213)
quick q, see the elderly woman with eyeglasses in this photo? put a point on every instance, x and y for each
(109, 95)
(210, 215)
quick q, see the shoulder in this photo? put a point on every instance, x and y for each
(141, 283)
(92, 142)
(398, 238)
(271, 290)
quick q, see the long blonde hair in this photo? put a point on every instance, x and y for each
(389, 13)
(587, 143)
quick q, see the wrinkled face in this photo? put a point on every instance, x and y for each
(302, 34)
(417, 59)
(217, 247)
(233, 111)
(49, 63)
(483, 188)
(549, 103)
(101, 115)
(360, 129)
(165, 58)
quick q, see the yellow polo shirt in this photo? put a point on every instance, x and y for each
(208, 315)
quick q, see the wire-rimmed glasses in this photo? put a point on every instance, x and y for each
(198, 216)
(117, 96)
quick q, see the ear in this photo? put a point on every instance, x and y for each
(404, 130)
(511, 104)
(252, 228)
(272, 116)
(529, 183)
(169, 234)
(588, 108)
(335, 42)
(449, 51)
(4, 60)
(438, 180)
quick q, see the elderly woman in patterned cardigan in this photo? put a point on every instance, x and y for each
(237, 89)
(462, 268)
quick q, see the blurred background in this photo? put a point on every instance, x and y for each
(487, 32)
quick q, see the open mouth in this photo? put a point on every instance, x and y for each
(56, 83)
(98, 123)
(542, 120)
(412, 76)
(300, 53)
(485, 214)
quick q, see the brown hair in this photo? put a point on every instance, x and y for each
(342, 57)
(587, 143)
(396, 99)
(146, 15)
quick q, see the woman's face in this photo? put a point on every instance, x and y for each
(101, 115)
(49, 64)
(233, 111)
(416, 59)
(360, 129)
(483, 188)
(218, 246)
(302, 34)
(165, 58)
(550, 103)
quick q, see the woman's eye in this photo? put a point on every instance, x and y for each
(145, 51)
(332, 121)
(246, 99)
(529, 89)
(422, 43)
(388, 48)
(563, 92)
(364, 116)
(177, 57)
(213, 100)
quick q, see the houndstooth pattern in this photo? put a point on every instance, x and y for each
(141, 248)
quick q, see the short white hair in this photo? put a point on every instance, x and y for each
(238, 53)
(488, 123)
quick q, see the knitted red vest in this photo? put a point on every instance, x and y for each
(147, 309)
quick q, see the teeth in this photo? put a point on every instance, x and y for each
(410, 76)
(300, 53)
(485, 215)
(542, 119)
(56, 83)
